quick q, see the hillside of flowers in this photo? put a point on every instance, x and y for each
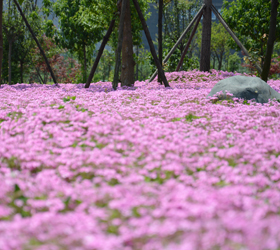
(146, 168)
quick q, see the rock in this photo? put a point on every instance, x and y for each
(244, 87)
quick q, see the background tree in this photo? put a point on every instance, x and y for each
(127, 68)
(80, 27)
(65, 68)
(220, 44)
(271, 39)
(1, 39)
(250, 19)
(13, 27)
(177, 14)
(25, 43)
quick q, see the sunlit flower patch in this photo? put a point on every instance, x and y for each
(143, 168)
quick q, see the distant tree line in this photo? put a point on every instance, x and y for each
(72, 47)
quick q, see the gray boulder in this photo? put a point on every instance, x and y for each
(244, 87)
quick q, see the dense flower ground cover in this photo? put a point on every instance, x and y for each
(149, 168)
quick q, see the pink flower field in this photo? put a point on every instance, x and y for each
(147, 168)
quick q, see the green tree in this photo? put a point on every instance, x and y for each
(13, 27)
(234, 62)
(80, 27)
(271, 39)
(250, 20)
(177, 15)
(131, 38)
(25, 43)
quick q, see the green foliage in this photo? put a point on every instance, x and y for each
(105, 67)
(22, 43)
(82, 24)
(220, 44)
(250, 20)
(109, 8)
(234, 62)
(177, 14)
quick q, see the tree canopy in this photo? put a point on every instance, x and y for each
(250, 19)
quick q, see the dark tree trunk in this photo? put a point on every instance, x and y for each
(206, 37)
(137, 65)
(127, 74)
(220, 64)
(150, 42)
(21, 71)
(10, 63)
(271, 40)
(1, 39)
(160, 11)
(120, 42)
(39, 76)
(85, 63)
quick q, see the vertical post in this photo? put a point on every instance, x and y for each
(1, 40)
(119, 48)
(206, 37)
(149, 39)
(37, 42)
(160, 10)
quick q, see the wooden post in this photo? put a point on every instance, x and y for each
(100, 52)
(119, 48)
(271, 40)
(1, 40)
(160, 10)
(152, 47)
(188, 43)
(205, 52)
(37, 42)
(233, 36)
(178, 42)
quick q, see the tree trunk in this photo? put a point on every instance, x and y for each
(120, 42)
(39, 76)
(271, 40)
(206, 37)
(150, 42)
(85, 63)
(10, 62)
(137, 65)
(160, 11)
(127, 74)
(21, 71)
(1, 39)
